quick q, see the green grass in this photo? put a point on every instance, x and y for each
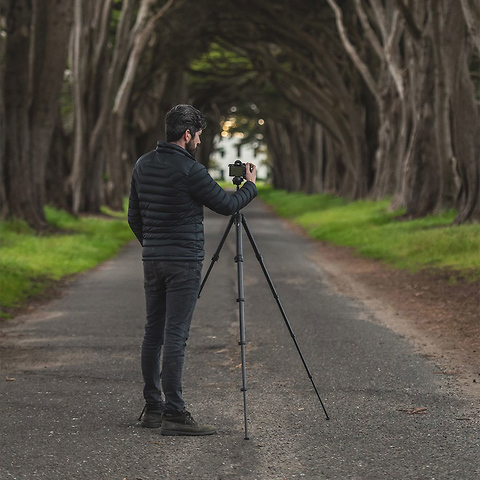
(375, 232)
(29, 263)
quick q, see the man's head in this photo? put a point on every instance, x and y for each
(184, 125)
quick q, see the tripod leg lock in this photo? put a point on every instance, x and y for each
(238, 258)
(242, 343)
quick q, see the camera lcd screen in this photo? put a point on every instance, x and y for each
(236, 170)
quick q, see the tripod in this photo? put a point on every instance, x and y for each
(240, 221)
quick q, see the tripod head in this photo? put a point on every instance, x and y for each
(237, 181)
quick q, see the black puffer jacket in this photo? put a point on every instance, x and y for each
(165, 212)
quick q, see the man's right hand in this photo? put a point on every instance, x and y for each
(251, 172)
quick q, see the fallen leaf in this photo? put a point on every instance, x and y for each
(418, 411)
(414, 410)
(9, 379)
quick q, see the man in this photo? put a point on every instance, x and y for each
(168, 191)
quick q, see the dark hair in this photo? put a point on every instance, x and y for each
(181, 118)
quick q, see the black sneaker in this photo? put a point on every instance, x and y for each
(151, 417)
(182, 423)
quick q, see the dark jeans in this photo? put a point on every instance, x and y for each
(171, 291)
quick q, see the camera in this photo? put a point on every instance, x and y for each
(237, 169)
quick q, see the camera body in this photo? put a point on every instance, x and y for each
(237, 169)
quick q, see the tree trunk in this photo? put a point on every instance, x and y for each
(79, 73)
(53, 21)
(445, 135)
(88, 48)
(314, 161)
(466, 135)
(280, 155)
(471, 12)
(115, 159)
(447, 29)
(420, 172)
(20, 192)
(3, 196)
(335, 171)
(58, 168)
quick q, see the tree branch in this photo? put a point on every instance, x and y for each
(380, 16)
(369, 33)
(141, 40)
(471, 13)
(410, 21)
(359, 64)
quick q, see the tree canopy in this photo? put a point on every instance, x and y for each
(362, 98)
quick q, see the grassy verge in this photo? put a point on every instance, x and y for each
(30, 263)
(375, 232)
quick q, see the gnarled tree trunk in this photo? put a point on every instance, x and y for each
(21, 200)
(52, 28)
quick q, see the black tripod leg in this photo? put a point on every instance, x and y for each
(216, 255)
(284, 315)
(237, 219)
(241, 311)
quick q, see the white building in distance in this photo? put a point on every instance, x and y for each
(226, 151)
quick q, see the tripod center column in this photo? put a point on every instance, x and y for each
(241, 310)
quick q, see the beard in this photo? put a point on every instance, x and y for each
(191, 148)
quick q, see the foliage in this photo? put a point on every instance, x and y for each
(228, 79)
(30, 263)
(371, 230)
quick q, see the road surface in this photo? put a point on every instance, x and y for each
(71, 387)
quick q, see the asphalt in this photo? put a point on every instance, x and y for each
(71, 388)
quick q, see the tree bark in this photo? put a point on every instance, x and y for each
(88, 47)
(314, 159)
(442, 101)
(420, 172)
(53, 22)
(3, 196)
(465, 120)
(471, 12)
(444, 31)
(20, 192)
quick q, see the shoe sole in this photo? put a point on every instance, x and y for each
(151, 425)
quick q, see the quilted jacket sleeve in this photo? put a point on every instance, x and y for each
(134, 216)
(205, 190)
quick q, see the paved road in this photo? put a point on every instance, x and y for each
(72, 389)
